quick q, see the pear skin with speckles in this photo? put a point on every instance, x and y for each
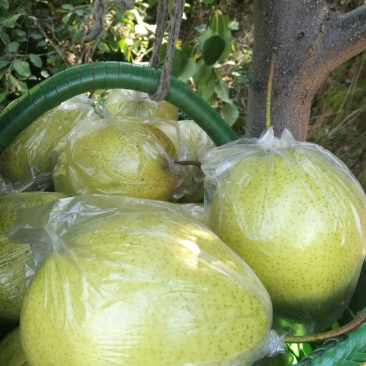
(144, 288)
(296, 215)
(132, 103)
(13, 256)
(11, 350)
(128, 159)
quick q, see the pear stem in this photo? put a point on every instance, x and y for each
(359, 319)
(189, 162)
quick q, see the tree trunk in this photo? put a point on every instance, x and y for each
(297, 43)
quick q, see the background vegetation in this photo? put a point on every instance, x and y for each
(39, 38)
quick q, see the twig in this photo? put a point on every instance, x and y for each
(357, 321)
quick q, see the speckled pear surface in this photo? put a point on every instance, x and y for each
(120, 158)
(14, 256)
(146, 289)
(132, 103)
(29, 155)
(11, 350)
(296, 215)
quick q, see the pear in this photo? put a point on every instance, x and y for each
(14, 256)
(143, 287)
(116, 157)
(132, 103)
(27, 161)
(296, 215)
(11, 350)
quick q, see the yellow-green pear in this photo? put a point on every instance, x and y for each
(14, 256)
(27, 161)
(11, 350)
(144, 288)
(116, 157)
(296, 215)
(132, 103)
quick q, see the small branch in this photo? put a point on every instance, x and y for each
(344, 38)
(357, 321)
(189, 162)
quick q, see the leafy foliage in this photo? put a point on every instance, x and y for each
(41, 38)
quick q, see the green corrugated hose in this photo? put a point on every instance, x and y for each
(107, 75)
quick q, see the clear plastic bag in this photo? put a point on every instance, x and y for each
(124, 281)
(132, 103)
(296, 215)
(116, 155)
(26, 164)
(13, 257)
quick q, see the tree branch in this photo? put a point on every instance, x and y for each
(344, 38)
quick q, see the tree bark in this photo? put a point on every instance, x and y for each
(297, 43)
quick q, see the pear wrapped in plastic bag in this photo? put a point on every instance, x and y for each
(296, 215)
(13, 257)
(120, 156)
(130, 282)
(26, 164)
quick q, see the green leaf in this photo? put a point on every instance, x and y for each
(3, 96)
(219, 23)
(36, 60)
(66, 18)
(207, 89)
(12, 47)
(213, 49)
(12, 20)
(183, 67)
(4, 4)
(67, 7)
(22, 68)
(4, 63)
(45, 74)
(78, 36)
(223, 92)
(206, 2)
(79, 12)
(203, 72)
(228, 44)
(103, 47)
(231, 113)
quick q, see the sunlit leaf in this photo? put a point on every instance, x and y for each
(68, 7)
(12, 20)
(231, 113)
(22, 68)
(222, 90)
